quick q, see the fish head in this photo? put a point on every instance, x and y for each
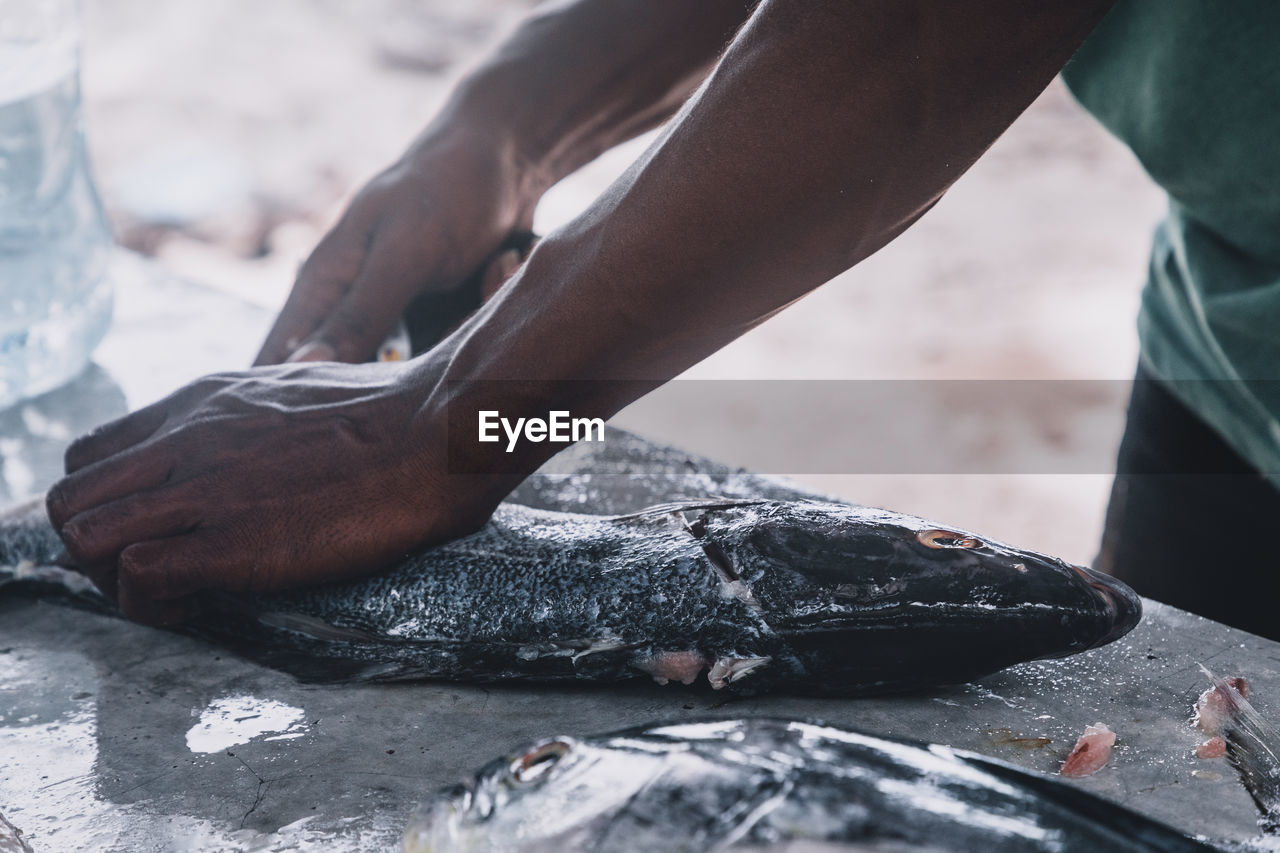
(632, 791)
(912, 598)
(548, 796)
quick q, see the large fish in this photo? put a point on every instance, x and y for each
(749, 594)
(769, 784)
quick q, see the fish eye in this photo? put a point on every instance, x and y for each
(535, 763)
(947, 539)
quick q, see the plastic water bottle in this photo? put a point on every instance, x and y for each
(55, 298)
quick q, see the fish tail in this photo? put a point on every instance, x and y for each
(1253, 748)
(27, 538)
(33, 560)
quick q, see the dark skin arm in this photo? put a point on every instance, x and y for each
(574, 80)
(828, 128)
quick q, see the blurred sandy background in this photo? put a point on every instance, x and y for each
(226, 136)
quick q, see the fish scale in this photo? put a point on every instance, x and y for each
(492, 594)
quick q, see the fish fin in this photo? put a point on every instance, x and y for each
(313, 662)
(1253, 748)
(317, 629)
(674, 507)
(312, 651)
(333, 670)
(312, 627)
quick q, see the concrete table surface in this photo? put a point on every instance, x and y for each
(118, 737)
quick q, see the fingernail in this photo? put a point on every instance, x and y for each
(313, 351)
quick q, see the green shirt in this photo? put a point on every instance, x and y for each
(1193, 87)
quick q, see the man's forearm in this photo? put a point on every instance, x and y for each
(578, 77)
(827, 129)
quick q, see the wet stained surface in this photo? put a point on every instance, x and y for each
(118, 737)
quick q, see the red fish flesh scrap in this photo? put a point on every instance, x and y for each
(1091, 752)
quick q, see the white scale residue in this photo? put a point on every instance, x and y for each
(234, 720)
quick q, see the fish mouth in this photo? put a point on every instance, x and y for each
(1123, 606)
(434, 826)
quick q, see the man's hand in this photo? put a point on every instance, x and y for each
(574, 80)
(259, 480)
(299, 474)
(426, 224)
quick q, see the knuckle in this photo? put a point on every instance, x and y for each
(245, 567)
(133, 563)
(57, 504)
(79, 450)
(153, 572)
(133, 567)
(77, 539)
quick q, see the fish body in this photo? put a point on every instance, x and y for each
(762, 784)
(752, 595)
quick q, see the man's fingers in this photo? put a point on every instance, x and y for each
(137, 469)
(106, 577)
(321, 282)
(113, 437)
(304, 310)
(168, 569)
(96, 535)
(371, 306)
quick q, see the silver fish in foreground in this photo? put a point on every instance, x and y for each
(754, 595)
(769, 784)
